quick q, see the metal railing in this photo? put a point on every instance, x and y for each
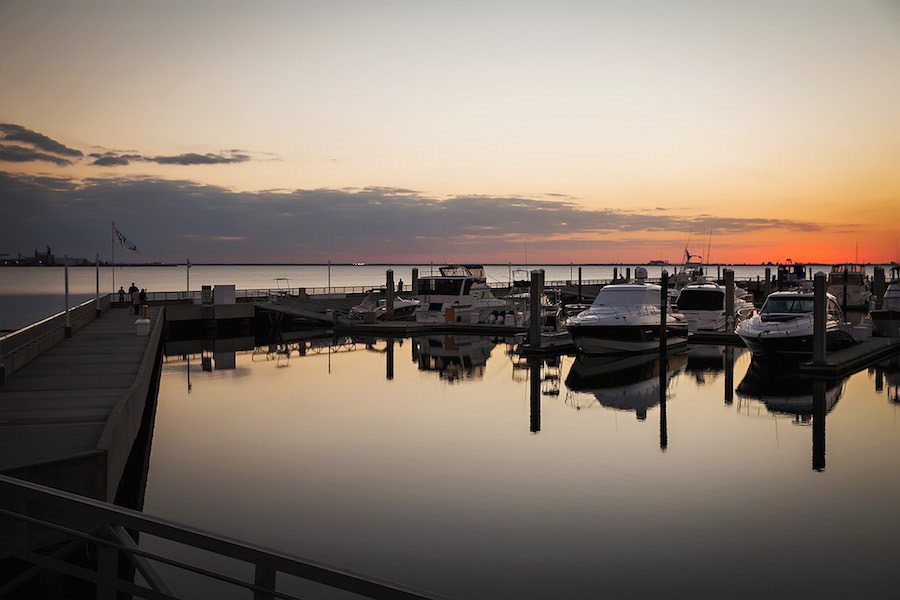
(23, 345)
(109, 538)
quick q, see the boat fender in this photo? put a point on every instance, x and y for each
(500, 319)
(492, 318)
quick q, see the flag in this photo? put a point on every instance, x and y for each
(124, 240)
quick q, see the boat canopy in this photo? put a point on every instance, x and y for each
(701, 299)
(621, 295)
(787, 304)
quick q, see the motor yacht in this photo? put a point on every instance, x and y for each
(851, 278)
(885, 312)
(374, 306)
(625, 317)
(784, 326)
(703, 305)
(458, 294)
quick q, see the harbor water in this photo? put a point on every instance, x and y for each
(453, 465)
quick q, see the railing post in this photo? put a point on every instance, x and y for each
(264, 578)
(107, 572)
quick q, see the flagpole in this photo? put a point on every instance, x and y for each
(113, 246)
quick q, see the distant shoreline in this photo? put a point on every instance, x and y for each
(617, 264)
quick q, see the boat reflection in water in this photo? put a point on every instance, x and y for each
(630, 383)
(784, 391)
(454, 358)
(887, 377)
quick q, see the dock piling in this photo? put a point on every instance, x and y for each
(663, 314)
(729, 300)
(389, 297)
(819, 346)
(537, 289)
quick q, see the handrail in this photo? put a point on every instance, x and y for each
(267, 563)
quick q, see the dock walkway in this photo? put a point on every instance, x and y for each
(68, 418)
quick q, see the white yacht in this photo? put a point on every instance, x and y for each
(458, 294)
(625, 317)
(784, 326)
(374, 306)
(853, 277)
(885, 312)
(703, 305)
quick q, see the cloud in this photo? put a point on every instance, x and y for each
(17, 133)
(170, 219)
(112, 159)
(200, 159)
(10, 153)
(46, 149)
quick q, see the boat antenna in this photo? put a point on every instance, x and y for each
(708, 244)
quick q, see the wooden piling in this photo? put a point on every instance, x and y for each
(663, 314)
(389, 297)
(534, 324)
(878, 283)
(768, 286)
(729, 300)
(579, 285)
(819, 345)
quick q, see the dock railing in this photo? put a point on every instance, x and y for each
(29, 506)
(21, 346)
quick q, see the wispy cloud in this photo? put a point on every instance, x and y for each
(10, 153)
(41, 148)
(18, 133)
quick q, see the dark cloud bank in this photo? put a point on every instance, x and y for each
(173, 219)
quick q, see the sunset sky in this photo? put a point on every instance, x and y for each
(417, 131)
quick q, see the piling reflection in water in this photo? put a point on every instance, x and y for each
(367, 459)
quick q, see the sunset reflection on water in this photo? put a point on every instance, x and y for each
(439, 462)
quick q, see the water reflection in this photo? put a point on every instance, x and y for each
(629, 383)
(474, 476)
(887, 378)
(784, 391)
(455, 358)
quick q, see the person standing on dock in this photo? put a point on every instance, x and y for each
(400, 286)
(121, 295)
(136, 301)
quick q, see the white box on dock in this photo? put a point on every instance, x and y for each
(142, 326)
(224, 294)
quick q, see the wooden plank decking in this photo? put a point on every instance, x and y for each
(78, 405)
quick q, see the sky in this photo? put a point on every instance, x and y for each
(453, 131)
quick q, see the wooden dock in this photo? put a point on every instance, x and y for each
(853, 358)
(69, 417)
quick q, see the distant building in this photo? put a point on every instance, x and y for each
(44, 258)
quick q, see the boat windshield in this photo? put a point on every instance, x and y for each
(782, 305)
(451, 286)
(614, 296)
(701, 300)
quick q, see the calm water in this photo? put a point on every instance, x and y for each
(28, 294)
(452, 465)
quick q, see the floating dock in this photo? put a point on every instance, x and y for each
(848, 360)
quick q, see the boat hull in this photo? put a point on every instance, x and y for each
(617, 339)
(794, 346)
(886, 322)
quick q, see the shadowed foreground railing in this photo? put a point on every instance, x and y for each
(26, 507)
